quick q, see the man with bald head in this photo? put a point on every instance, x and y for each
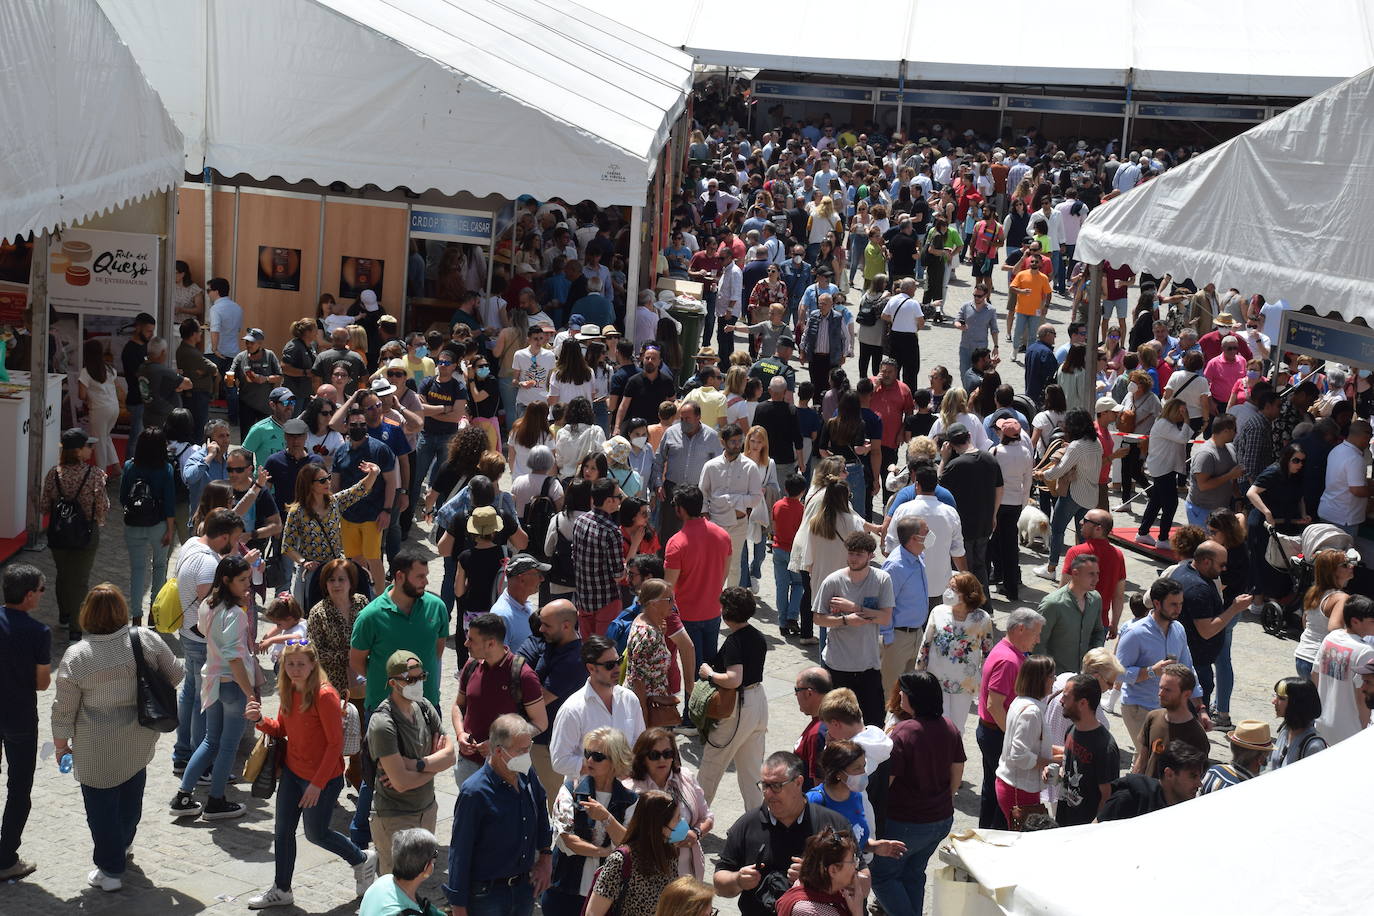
(810, 689)
(555, 653)
(779, 420)
(338, 352)
(1111, 566)
(1205, 618)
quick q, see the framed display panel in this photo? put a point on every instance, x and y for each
(276, 220)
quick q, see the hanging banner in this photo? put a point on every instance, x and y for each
(104, 273)
(445, 225)
(1335, 341)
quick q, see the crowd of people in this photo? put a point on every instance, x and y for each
(604, 504)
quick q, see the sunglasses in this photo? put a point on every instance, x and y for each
(298, 641)
(324, 479)
(765, 786)
(657, 755)
(411, 678)
(444, 362)
(399, 374)
(236, 470)
(607, 666)
(596, 756)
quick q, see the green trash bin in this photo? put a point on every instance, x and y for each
(689, 336)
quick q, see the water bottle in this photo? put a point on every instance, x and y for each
(65, 764)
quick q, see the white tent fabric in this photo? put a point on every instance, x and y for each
(84, 133)
(510, 97)
(1236, 47)
(1280, 209)
(1266, 848)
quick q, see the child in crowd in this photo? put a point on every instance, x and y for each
(286, 618)
(667, 416)
(787, 517)
(809, 419)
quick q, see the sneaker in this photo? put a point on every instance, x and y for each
(754, 589)
(206, 778)
(1045, 572)
(809, 641)
(179, 769)
(219, 809)
(184, 805)
(107, 883)
(273, 896)
(20, 869)
(1146, 540)
(1221, 721)
(364, 873)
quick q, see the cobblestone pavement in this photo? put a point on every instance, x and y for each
(197, 866)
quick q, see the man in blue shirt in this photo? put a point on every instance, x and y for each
(1041, 364)
(911, 607)
(555, 653)
(796, 273)
(25, 669)
(524, 574)
(1146, 648)
(500, 855)
(365, 520)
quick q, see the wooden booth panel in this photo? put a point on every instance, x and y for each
(359, 229)
(190, 241)
(291, 223)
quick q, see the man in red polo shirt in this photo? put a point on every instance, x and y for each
(1111, 566)
(695, 564)
(893, 403)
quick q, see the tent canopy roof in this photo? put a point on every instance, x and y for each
(1234, 47)
(84, 133)
(511, 97)
(1280, 209)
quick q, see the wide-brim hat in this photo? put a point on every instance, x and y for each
(1251, 734)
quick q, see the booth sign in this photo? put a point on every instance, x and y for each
(105, 273)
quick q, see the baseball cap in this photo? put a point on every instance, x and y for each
(523, 563)
(957, 433)
(786, 342)
(398, 662)
(369, 300)
(255, 335)
(1106, 404)
(281, 394)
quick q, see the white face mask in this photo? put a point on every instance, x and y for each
(796, 259)
(521, 763)
(951, 596)
(414, 692)
(639, 441)
(857, 782)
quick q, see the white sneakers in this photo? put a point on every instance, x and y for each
(1045, 572)
(103, 881)
(365, 872)
(1146, 540)
(273, 896)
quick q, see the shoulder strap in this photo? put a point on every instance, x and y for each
(468, 667)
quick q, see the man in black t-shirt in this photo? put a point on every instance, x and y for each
(25, 669)
(130, 359)
(975, 479)
(760, 846)
(901, 252)
(646, 389)
(444, 398)
(1092, 761)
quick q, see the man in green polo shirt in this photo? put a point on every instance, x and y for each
(1073, 617)
(404, 616)
(267, 437)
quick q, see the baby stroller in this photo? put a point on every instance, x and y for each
(1292, 554)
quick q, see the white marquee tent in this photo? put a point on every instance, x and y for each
(1280, 209)
(1240, 47)
(512, 97)
(84, 132)
(1290, 841)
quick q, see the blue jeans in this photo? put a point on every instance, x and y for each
(224, 724)
(1057, 263)
(499, 900)
(430, 452)
(1065, 511)
(1063, 264)
(190, 717)
(858, 491)
(1197, 515)
(1226, 675)
(752, 572)
(113, 816)
(1023, 330)
(198, 402)
(135, 427)
(290, 789)
(145, 545)
(788, 585)
(506, 385)
(900, 883)
(1304, 668)
(360, 826)
(705, 636)
(20, 750)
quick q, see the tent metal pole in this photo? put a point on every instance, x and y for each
(636, 269)
(166, 316)
(1094, 317)
(1126, 115)
(901, 97)
(38, 384)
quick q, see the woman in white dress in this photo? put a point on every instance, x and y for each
(97, 389)
(958, 638)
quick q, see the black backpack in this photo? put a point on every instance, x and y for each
(870, 310)
(143, 509)
(539, 513)
(68, 526)
(562, 561)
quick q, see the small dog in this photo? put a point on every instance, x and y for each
(1033, 526)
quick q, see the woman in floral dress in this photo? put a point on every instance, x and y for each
(646, 651)
(958, 638)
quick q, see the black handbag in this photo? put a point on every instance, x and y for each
(266, 782)
(157, 699)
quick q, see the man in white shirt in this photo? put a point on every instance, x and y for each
(602, 703)
(944, 538)
(733, 488)
(1346, 496)
(1070, 214)
(1345, 673)
(729, 296)
(533, 367)
(943, 171)
(724, 203)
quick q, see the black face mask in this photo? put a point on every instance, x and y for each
(357, 433)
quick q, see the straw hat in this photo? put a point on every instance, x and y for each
(1251, 734)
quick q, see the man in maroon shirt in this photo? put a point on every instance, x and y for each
(486, 691)
(811, 687)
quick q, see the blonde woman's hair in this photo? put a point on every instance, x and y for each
(357, 338)
(921, 447)
(1171, 406)
(828, 470)
(825, 207)
(954, 402)
(317, 678)
(735, 379)
(760, 432)
(685, 896)
(614, 746)
(652, 590)
(1102, 661)
(1324, 566)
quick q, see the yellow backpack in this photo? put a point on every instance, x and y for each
(166, 609)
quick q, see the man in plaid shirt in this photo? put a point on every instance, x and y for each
(598, 554)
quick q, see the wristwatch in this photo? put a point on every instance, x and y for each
(402, 490)
(420, 765)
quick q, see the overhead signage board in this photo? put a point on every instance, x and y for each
(1050, 105)
(446, 225)
(1199, 112)
(926, 99)
(765, 89)
(1325, 338)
